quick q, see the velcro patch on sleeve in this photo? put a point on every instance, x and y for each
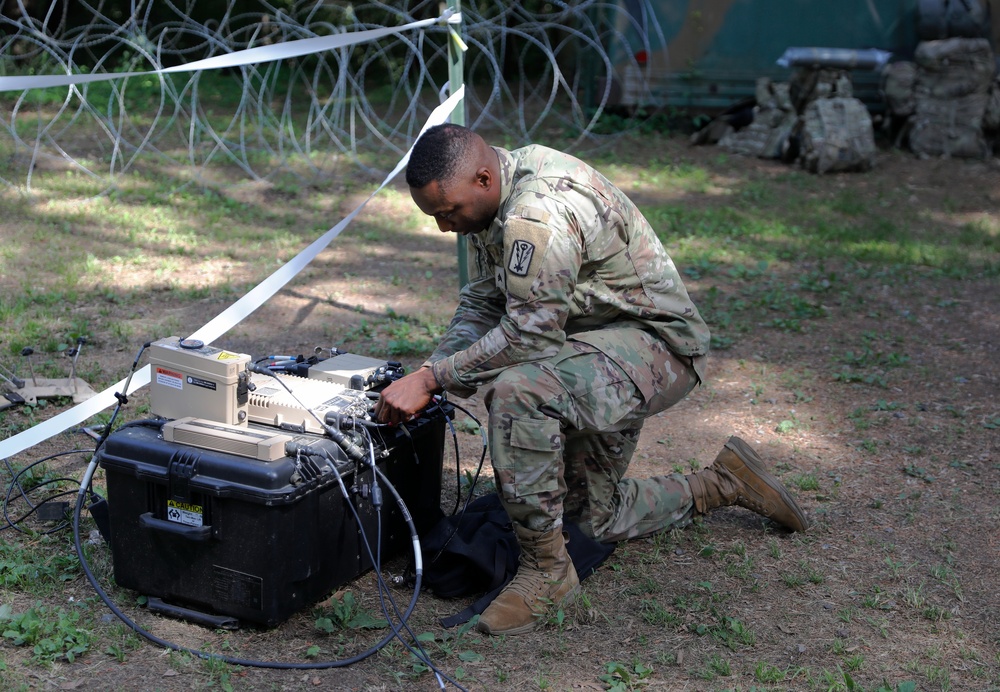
(532, 213)
(524, 243)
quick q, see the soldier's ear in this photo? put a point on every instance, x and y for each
(484, 178)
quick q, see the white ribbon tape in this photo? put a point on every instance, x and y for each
(225, 321)
(250, 56)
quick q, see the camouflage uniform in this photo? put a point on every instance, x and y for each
(577, 322)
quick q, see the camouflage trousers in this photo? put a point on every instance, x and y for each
(562, 432)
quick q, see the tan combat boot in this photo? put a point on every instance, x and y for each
(545, 576)
(738, 477)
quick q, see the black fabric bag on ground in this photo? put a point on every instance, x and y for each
(477, 551)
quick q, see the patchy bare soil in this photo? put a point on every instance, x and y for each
(896, 582)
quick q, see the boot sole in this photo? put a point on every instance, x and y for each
(751, 459)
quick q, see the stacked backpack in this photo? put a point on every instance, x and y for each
(814, 118)
(947, 101)
(774, 118)
(950, 95)
(835, 130)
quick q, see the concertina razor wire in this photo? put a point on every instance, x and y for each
(529, 75)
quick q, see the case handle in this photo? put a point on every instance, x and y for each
(194, 533)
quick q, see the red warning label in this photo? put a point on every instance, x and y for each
(169, 378)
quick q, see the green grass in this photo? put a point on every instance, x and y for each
(42, 566)
(783, 229)
(785, 254)
(50, 633)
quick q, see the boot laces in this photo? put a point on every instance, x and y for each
(529, 584)
(753, 504)
(745, 498)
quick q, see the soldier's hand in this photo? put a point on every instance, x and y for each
(406, 397)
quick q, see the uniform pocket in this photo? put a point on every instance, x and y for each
(536, 435)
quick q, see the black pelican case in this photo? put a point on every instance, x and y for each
(224, 539)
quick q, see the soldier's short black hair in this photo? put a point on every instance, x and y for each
(439, 153)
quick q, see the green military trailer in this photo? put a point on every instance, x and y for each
(707, 55)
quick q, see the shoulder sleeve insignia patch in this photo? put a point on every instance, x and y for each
(525, 243)
(521, 253)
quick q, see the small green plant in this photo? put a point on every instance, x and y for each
(715, 667)
(895, 566)
(42, 566)
(467, 426)
(836, 681)
(915, 471)
(740, 568)
(342, 612)
(946, 575)
(446, 645)
(914, 596)
(876, 600)
(936, 613)
(657, 615)
(792, 580)
(812, 574)
(854, 662)
(847, 614)
(786, 426)
(622, 677)
(557, 614)
(219, 672)
(773, 549)
(767, 673)
(123, 642)
(52, 633)
(806, 482)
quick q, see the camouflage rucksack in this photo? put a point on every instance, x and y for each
(837, 135)
(774, 120)
(951, 96)
(808, 84)
(898, 82)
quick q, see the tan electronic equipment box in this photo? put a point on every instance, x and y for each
(190, 379)
(347, 369)
(263, 445)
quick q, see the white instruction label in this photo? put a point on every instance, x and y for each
(184, 513)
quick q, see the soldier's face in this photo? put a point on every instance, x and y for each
(461, 206)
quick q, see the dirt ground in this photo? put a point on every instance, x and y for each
(895, 583)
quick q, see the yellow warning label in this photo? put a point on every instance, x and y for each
(226, 355)
(185, 506)
(184, 513)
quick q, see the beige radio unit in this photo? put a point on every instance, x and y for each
(189, 379)
(347, 369)
(310, 399)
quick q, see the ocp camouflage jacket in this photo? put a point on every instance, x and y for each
(568, 256)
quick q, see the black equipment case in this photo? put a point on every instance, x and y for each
(205, 534)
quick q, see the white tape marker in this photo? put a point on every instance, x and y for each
(250, 56)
